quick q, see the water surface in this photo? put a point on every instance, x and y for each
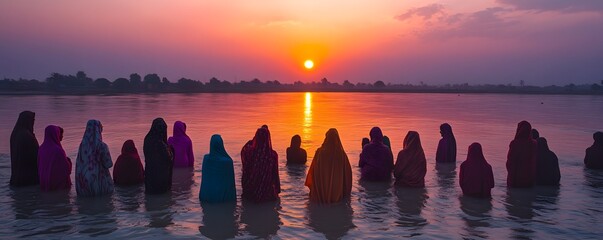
(375, 210)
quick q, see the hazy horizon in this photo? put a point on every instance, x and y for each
(542, 42)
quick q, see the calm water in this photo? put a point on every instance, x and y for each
(375, 210)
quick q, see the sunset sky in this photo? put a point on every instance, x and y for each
(542, 42)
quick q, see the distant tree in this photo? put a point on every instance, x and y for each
(121, 84)
(570, 87)
(135, 80)
(151, 81)
(379, 84)
(81, 75)
(324, 81)
(347, 84)
(102, 83)
(165, 81)
(595, 87)
(522, 83)
(601, 82)
(256, 81)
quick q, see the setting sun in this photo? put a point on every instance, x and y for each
(309, 64)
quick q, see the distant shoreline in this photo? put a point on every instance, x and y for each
(111, 93)
(81, 84)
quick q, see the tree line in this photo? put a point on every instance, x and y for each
(81, 83)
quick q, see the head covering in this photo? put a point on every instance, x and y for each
(330, 176)
(365, 141)
(128, 168)
(183, 146)
(535, 133)
(53, 166)
(411, 166)
(598, 137)
(446, 151)
(217, 174)
(24, 152)
(260, 180)
(295, 141)
(547, 165)
(524, 130)
(376, 160)
(158, 159)
(521, 158)
(376, 135)
(594, 154)
(92, 177)
(295, 154)
(476, 178)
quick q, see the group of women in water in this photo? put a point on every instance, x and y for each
(329, 179)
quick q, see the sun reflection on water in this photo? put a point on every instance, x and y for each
(307, 130)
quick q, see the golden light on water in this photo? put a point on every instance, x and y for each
(307, 117)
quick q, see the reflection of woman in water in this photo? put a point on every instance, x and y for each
(476, 215)
(334, 221)
(519, 204)
(410, 202)
(261, 220)
(219, 220)
(158, 209)
(100, 219)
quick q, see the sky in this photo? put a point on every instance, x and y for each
(542, 42)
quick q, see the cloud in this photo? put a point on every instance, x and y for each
(556, 5)
(427, 12)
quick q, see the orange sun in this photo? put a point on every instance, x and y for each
(309, 64)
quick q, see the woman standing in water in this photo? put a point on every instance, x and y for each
(158, 159)
(182, 145)
(24, 152)
(476, 177)
(260, 180)
(447, 146)
(54, 167)
(521, 158)
(411, 166)
(128, 167)
(296, 154)
(217, 174)
(330, 176)
(594, 154)
(376, 159)
(92, 177)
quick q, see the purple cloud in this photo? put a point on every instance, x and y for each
(427, 12)
(556, 5)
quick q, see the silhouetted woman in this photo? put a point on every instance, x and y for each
(54, 167)
(158, 159)
(411, 166)
(330, 176)
(24, 152)
(521, 158)
(260, 180)
(476, 177)
(182, 145)
(217, 174)
(296, 154)
(128, 167)
(376, 160)
(547, 165)
(92, 177)
(594, 154)
(447, 146)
